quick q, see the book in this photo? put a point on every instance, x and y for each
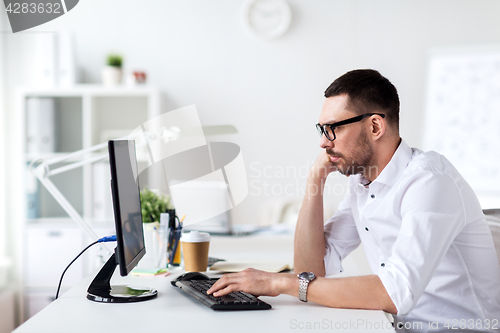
(232, 266)
(40, 125)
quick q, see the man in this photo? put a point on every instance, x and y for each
(422, 228)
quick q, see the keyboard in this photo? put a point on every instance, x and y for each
(233, 301)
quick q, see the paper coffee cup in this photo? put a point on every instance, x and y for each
(195, 249)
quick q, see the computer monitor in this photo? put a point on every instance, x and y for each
(128, 224)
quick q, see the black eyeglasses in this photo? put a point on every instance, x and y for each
(329, 129)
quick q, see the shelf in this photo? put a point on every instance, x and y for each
(142, 157)
(48, 156)
(114, 117)
(66, 221)
(42, 221)
(88, 89)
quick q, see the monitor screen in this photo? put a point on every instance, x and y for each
(126, 204)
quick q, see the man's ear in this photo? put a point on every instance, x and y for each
(378, 127)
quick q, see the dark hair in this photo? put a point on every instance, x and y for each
(367, 91)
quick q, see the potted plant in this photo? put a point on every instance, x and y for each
(155, 235)
(153, 205)
(112, 72)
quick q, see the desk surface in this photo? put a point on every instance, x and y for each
(175, 311)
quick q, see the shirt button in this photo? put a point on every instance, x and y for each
(366, 228)
(382, 264)
(373, 196)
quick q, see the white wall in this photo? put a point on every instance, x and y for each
(197, 51)
(3, 226)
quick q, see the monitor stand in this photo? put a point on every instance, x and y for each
(100, 289)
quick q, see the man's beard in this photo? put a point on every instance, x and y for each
(359, 161)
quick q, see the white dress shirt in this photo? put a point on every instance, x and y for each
(426, 238)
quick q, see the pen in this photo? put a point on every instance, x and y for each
(176, 241)
(182, 220)
(171, 228)
(157, 232)
(176, 245)
(170, 239)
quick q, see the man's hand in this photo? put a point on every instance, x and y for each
(323, 166)
(255, 282)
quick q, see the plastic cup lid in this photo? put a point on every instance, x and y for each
(195, 237)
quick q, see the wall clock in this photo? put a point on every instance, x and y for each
(267, 18)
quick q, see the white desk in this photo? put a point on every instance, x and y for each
(175, 311)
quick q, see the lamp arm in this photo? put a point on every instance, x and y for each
(41, 169)
(40, 172)
(77, 153)
(75, 165)
(68, 208)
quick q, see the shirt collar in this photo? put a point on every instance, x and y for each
(394, 168)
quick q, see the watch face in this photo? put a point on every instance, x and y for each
(307, 275)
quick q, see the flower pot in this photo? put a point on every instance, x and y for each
(111, 76)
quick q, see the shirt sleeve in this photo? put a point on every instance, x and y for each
(432, 216)
(341, 237)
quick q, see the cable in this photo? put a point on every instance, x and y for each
(100, 240)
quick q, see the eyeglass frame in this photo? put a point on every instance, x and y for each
(321, 130)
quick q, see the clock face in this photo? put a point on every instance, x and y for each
(267, 18)
(307, 275)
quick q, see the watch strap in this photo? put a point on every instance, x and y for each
(303, 284)
(304, 279)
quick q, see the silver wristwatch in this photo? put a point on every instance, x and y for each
(304, 279)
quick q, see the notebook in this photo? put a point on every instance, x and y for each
(232, 266)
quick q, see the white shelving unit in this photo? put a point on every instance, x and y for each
(85, 115)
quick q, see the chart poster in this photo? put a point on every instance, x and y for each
(463, 113)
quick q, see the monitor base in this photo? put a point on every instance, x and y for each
(100, 289)
(124, 294)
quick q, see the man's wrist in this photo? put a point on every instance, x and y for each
(288, 284)
(315, 184)
(317, 174)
